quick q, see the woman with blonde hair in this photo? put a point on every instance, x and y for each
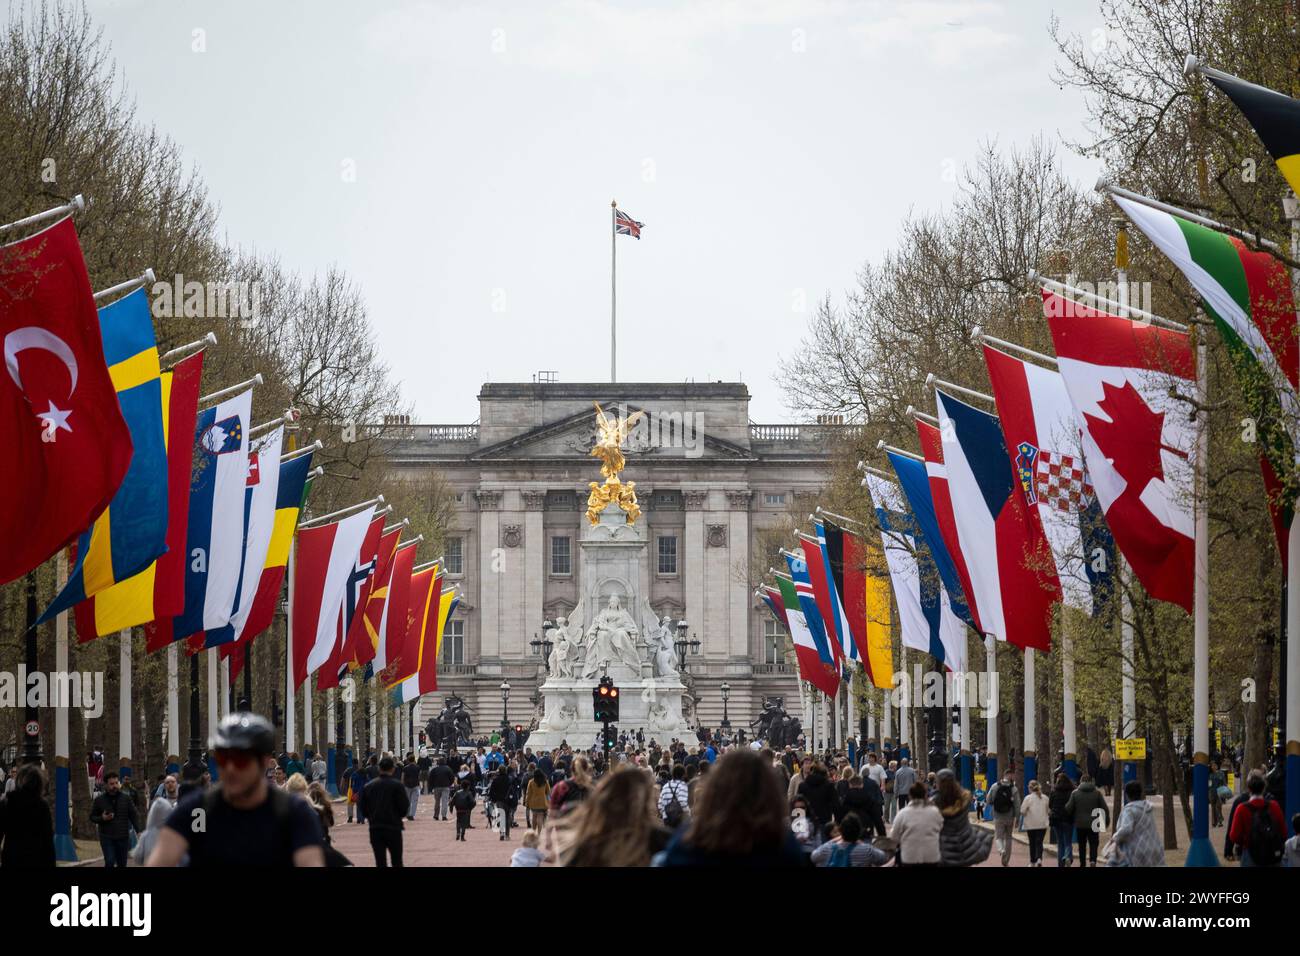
(618, 825)
(297, 784)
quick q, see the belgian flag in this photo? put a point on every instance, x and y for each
(1274, 116)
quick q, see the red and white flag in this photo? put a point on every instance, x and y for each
(1137, 441)
(66, 445)
(354, 601)
(325, 560)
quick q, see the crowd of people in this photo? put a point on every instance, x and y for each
(714, 802)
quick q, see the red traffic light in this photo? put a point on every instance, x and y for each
(604, 691)
(613, 692)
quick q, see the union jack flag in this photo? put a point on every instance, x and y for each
(625, 225)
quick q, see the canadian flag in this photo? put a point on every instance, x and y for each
(323, 564)
(1137, 441)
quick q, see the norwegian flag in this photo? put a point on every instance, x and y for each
(625, 225)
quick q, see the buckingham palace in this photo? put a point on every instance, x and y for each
(708, 480)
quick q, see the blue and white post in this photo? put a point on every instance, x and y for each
(64, 849)
(173, 709)
(1292, 662)
(1070, 763)
(1200, 852)
(331, 765)
(214, 692)
(1031, 724)
(991, 713)
(1128, 697)
(124, 707)
(965, 760)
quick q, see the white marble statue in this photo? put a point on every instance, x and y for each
(665, 657)
(611, 639)
(566, 655)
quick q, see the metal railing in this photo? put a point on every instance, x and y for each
(809, 433)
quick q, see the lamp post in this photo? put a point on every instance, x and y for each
(543, 646)
(682, 645)
(726, 694)
(505, 705)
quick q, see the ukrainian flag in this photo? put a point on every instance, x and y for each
(132, 532)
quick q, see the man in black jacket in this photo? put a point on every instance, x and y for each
(441, 779)
(115, 815)
(499, 799)
(411, 781)
(384, 803)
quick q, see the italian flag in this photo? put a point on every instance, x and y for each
(1248, 295)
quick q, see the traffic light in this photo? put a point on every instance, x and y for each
(610, 735)
(604, 701)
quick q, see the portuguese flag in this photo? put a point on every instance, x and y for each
(1248, 295)
(1275, 118)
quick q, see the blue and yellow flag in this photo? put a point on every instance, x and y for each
(132, 532)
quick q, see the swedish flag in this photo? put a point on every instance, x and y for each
(132, 532)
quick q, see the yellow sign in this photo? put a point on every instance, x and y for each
(1218, 740)
(1134, 749)
(1232, 781)
(979, 781)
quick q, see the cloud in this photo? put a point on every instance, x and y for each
(947, 35)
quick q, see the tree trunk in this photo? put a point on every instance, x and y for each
(1258, 743)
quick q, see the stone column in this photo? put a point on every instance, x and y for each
(690, 562)
(536, 558)
(739, 594)
(489, 580)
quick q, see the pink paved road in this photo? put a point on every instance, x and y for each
(429, 842)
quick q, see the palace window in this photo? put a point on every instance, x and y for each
(772, 642)
(774, 499)
(453, 643)
(561, 555)
(455, 555)
(668, 554)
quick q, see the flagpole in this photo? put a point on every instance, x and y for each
(124, 706)
(1200, 851)
(1128, 696)
(613, 266)
(213, 693)
(223, 666)
(991, 711)
(306, 717)
(288, 649)
(1070, 764)
(173, 709)
(78, 204)
(965, 760)
(128, 285)
(1030, 747)
(64, 849)
(1289, 684)
(331, 745)
(182, 350)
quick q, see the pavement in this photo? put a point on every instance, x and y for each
(429, 842)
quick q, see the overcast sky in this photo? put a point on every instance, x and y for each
(458, 159)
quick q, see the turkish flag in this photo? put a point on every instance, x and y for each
(66, 444)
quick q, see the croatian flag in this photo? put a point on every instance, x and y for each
(928, 624)
(214, 541)
(940, 586)
(1003, 545)
(1043, 439)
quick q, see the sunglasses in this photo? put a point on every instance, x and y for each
(234, 758)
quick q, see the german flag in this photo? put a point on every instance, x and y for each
(1274, 116)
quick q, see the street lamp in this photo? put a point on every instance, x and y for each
(726, 693)
(543, 646)
(682, 645)
(505, 704)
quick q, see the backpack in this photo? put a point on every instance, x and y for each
(673, 811)
(842, 855)
(1266, 843)
(1002, 802)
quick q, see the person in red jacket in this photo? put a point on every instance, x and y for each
(1245, 831)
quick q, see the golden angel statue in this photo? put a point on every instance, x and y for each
(613, 433)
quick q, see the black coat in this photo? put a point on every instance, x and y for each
(124, 813)
(27, 830)
(823, 802)
(1056, 802)
(385, 803)
(441, 775)
(961, 844)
